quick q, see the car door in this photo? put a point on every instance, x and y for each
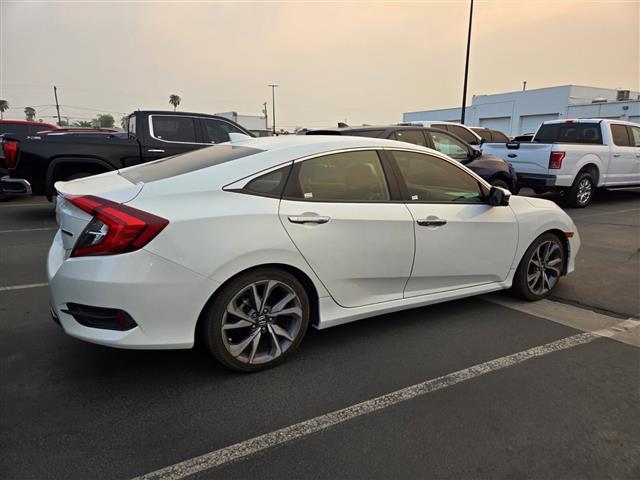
(171, 135)
(338, 211)
(622, 166)
(217, 131)
(461, 241)
(634, 133)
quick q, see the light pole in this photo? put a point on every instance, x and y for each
(266, 119)
(273, 105)
(466, 67)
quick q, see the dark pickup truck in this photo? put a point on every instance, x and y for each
(36, 162)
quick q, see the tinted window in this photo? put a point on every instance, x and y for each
(410, 136)
(174, 129)
(19, 128)
(364, 133)
(569, 133)
(185, 163)
(270, 184)
(432, 179)
(441, 126)
(445, 143)
(620, 135)
(343, 177)
(217, 131)
(484, 134)
(635, 135)
(498, 136)
(464, 134)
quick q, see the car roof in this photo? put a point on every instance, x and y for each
(589, 120)
(316, 142)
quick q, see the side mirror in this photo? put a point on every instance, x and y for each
(499, 197)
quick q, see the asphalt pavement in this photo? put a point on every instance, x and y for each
(76, 410)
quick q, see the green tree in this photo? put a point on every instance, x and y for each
(105, 120)
(174, 100)
(83, 124)
(4, 105)
(30, 113)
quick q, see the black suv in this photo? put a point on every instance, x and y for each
(493, 169)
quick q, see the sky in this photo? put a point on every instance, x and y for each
(359, 62)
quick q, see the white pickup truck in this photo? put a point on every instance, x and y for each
(575, 157)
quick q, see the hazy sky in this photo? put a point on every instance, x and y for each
(335, 61)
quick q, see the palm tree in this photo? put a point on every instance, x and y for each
(174, 100)
(83, 124)
(4, 105)
(30, 113)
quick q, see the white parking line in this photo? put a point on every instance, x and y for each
(22, 287)
(18, 230)
(303, 429)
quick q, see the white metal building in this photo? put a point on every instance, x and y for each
(256, 124)
(521, 112)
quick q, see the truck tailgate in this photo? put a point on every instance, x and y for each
(525, 157)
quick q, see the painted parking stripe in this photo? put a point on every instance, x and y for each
(303, 429)
(19, 230)
(22, 287)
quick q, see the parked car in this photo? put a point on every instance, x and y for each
(525, 137)
(464, 132)
(35, 163)
(489, 135)
(576, 156)
(493, 169)
(246, 244)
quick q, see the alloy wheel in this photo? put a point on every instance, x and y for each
(545, 267)
(261, 321)
(585, 190)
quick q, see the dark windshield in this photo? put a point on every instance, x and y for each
(188, 162)
(569, 133)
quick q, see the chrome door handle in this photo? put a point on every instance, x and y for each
(432, 222)
(616, 155)
(308, 219)
(155, 150)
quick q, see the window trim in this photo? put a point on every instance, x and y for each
(199, 126)
(390, 182)
(484, 186)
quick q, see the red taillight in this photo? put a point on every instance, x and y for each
(10, 153)
(115, 228)
(555, 160)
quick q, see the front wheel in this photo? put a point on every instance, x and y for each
(257, 321)
(540, 268)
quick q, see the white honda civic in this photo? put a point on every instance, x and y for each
(244, 245)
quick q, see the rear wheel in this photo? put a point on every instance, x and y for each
(257, 321)
(581, 192)
(540, 268)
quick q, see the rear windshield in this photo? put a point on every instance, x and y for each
(569, 133)
(188, 162)
(21, 128)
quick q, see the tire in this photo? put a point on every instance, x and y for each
(278, 335)
(525, 284)
(498, 182)
(581, 192)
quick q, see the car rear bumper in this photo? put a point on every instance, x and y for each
(163, 298)
(534, 180)
(15, 186)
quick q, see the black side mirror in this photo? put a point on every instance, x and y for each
(499, 197)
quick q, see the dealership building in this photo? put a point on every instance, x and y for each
(515, 113)
(256, 124)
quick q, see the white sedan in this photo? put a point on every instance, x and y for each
(243, 245)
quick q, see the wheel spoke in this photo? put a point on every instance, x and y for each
(239, 324)
(235, 311)
(236, 349)
(533, 278)
(545, 282)
(555, 270)
(278, 330)
(254, 346)
(257, 301)
(554, 262)
(267, 291)
(288, 311)
(274, 339)
(283, 303)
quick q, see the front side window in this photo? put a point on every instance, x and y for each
(620, 135)
(449, 145)
(432, 179)
(635, 136)
(217, 131)
(464, 134)
(410, 136)
(339, 177)
(174, 129)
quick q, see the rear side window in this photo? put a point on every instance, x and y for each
(410, 136)
(270, 184)
(185, 163)
(620, 135)
(569, 133)
(464, 134)
(441, 126)
(217, 131)
(339, 177)
(635, 136)
(19, 128)
(174, 129)
(484, 134)
(498, 136)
